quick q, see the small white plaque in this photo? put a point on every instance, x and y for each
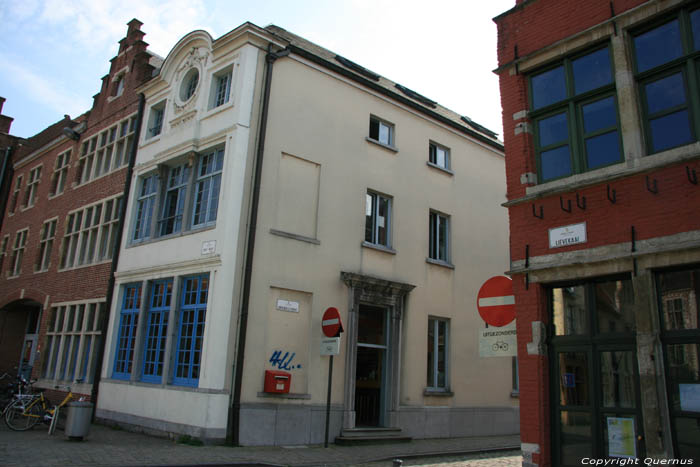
(567, 235)
(498, 341)
(330, 346)
(208, 247)
(286, 305)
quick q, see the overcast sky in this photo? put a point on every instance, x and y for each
(55, 52)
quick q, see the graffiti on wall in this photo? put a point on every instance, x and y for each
(284, 360)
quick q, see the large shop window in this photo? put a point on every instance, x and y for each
(156, 331)
(193, 310)
(593, 368)
(667, 66)
(574, 110)
(679, 304)
(128, 324)
(73, 337)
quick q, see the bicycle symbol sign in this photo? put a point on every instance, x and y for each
(500, 345)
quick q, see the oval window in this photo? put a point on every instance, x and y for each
(189, 84)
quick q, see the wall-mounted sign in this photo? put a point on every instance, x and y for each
(621, 438)
(286, 305)
(330, 346)
(567, 235)
(208, 247)
(498, 342)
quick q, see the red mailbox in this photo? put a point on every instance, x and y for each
(277, 381)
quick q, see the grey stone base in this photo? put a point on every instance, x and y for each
(160, 427)
(458, 422)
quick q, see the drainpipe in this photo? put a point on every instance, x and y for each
(233, 426)
(115, 254)
(5, 186)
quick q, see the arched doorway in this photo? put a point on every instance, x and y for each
(19, 336)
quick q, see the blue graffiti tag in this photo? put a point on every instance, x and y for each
(283, 362)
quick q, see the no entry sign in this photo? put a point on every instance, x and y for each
(495, 301)
(331, 324)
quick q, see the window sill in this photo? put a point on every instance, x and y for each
(148, 241)
(292, 236)
(438, 262)
(81, 266)
(515, 394)
(434, 392)
(285, 396)
(440, 168)
(382, 248)
(218, 109)
(56, 195)
(380, 144)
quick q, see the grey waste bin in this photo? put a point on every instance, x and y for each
(78, 421)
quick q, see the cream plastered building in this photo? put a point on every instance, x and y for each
(276, 179)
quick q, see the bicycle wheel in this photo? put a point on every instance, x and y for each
(22, 415)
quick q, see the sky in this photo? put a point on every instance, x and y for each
(54, 53)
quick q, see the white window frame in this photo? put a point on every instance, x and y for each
(385, 131)
(18, 248)
(30, 191)
(156, 118)
(210, 178)
(60, 173)
(143, 220)
(439, 219)
(106, 151)
(372, 200)
(434, 151)
(48, 237)
(73, 338)
(221, 87)
(433, 383)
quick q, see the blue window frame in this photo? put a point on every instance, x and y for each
(128, 322)
(156, 331)
(207, 187)
(174, 202)
(193, 310)
(144, 207)
(574, 110)
(667, 65)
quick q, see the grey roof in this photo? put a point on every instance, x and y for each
(407, 96)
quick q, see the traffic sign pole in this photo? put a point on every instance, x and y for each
(328, 399)
(332, 326)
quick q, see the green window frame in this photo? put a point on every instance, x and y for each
(573, 107)
(666, 58)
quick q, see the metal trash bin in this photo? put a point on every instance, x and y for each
(78, 421)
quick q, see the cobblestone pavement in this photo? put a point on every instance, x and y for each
(512, 458)
(109, 447)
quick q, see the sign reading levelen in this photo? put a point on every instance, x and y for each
(567, 235)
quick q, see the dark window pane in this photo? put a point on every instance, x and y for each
(592, 71)
(680, 301)
(695, 24)
(614, 303)
(599, 115)
(617, 379)
(670, 131)
(665, 93)
(555, 163)
(575, 437)
(370, 328)
(602, 150)
(554, 129)
(682, 364)
(548, 87)
(569, 311)
(687, 437)
(658, 46)
(573, 379)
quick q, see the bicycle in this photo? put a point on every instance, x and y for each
(20, 386)
(25, 413)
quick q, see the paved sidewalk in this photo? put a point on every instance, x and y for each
(109, 447)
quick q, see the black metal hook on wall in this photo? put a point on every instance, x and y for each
(692, 175)
(582, 203)
(561, 204)
(534, 213)
(653, 188)
(613, 198)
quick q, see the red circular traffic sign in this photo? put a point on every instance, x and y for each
(496, 302)
(331, 324)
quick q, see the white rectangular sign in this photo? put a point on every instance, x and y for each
(498, 342)
(567, 235)
(208, 247)
(330, 346)
(690, 397)
(286, 305)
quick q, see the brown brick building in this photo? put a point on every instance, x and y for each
(61, 226)
(601, 114)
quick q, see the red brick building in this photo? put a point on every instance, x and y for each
(601, 115)
(61, 226)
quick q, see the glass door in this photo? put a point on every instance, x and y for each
(372, 349)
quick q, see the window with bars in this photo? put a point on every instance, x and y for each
(15, 195)
(30, 193)
(156, 331)
(48, 235)
(18, 252)
(221, 88)
(438, 346)
(144, 207)
(207, 186)
(439, 248)
(193, 309)
(73, 337)
(378, 219)
(106, 151)
(126, 339)
(91, 233)
(60, 173)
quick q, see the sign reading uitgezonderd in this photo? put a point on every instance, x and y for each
(568, 235)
